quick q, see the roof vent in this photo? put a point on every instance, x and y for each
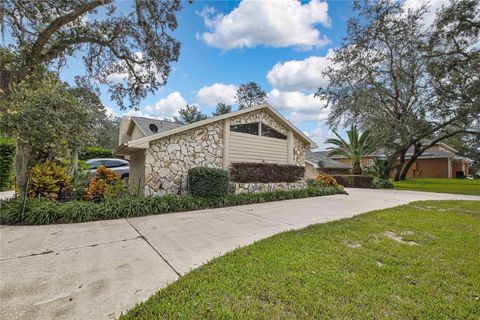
(153, 127)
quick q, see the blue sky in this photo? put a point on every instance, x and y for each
(226, 43)
(283, 45)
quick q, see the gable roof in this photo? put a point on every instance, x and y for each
(320, 159)
(142, 142)
(144, 123)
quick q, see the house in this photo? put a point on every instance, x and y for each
(439, 161)
(319, 163)
(161, 152)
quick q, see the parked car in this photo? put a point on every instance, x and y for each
(120, 166)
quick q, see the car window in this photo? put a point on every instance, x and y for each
(95, 164)
(114, 163)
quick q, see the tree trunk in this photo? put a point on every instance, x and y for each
(416, 153)
(75, 160)
(390, 163)
(398, 170)
(21, 165)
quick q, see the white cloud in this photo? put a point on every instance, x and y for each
(304, 74)
(319, 135)
(299, 106)
(166, 107)
(280, 23)
(432, 7)
(217, 92)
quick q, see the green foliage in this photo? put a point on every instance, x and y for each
(189, 114)
(44, 212)
(106, 184)
(207, 182)
(95, 152)
(376, 169)
(249, 95)
(48, 180)
(135, 41)
(358, 146)
(45, 116)
(354, 181)
(222, 108)
(381, 183)
(7, 156)
(265, 172)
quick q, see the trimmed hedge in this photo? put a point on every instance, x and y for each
(94, 153)
(265, 172)
(7, 156)
(354, 181)
(45, 212)
(380, 183)
(207, 182)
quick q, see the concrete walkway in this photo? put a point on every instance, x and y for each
(96, 270)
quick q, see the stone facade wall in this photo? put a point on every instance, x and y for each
(299, 148)
(167, 160)
(259, 116)
(255, 187)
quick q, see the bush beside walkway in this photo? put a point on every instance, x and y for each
(45, 212)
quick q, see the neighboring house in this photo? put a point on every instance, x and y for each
(161, 152)
(439, 161)
(318, 162)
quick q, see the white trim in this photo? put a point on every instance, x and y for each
(226, 143)
(312, 163)
(138, 126)
(197, 124)
(290, 145)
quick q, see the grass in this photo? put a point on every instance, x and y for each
(457, 186)
(348, 269)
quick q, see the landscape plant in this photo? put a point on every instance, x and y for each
(208, 182)
(39, 211)
(265, 172)
(48, 180)
(326, 180)
(95, 152)
(105, 184)
(357, 147)
(7, 158)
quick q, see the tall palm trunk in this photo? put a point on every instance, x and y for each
(356, 168)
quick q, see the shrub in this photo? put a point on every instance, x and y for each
(95, 152)
(43, 212)
(326, 180)
(380, 183)
(354, 181)
(105, 184)
(48, 180)
(7, 155)
(265, 172)
(207, 182)
(314, 183)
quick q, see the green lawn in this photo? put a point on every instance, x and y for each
(418, 261)
(458, 186)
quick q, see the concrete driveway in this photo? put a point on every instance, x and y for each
(96, 270)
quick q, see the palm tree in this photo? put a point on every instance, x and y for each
(358, 147)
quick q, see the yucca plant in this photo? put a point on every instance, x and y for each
(358, 146)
